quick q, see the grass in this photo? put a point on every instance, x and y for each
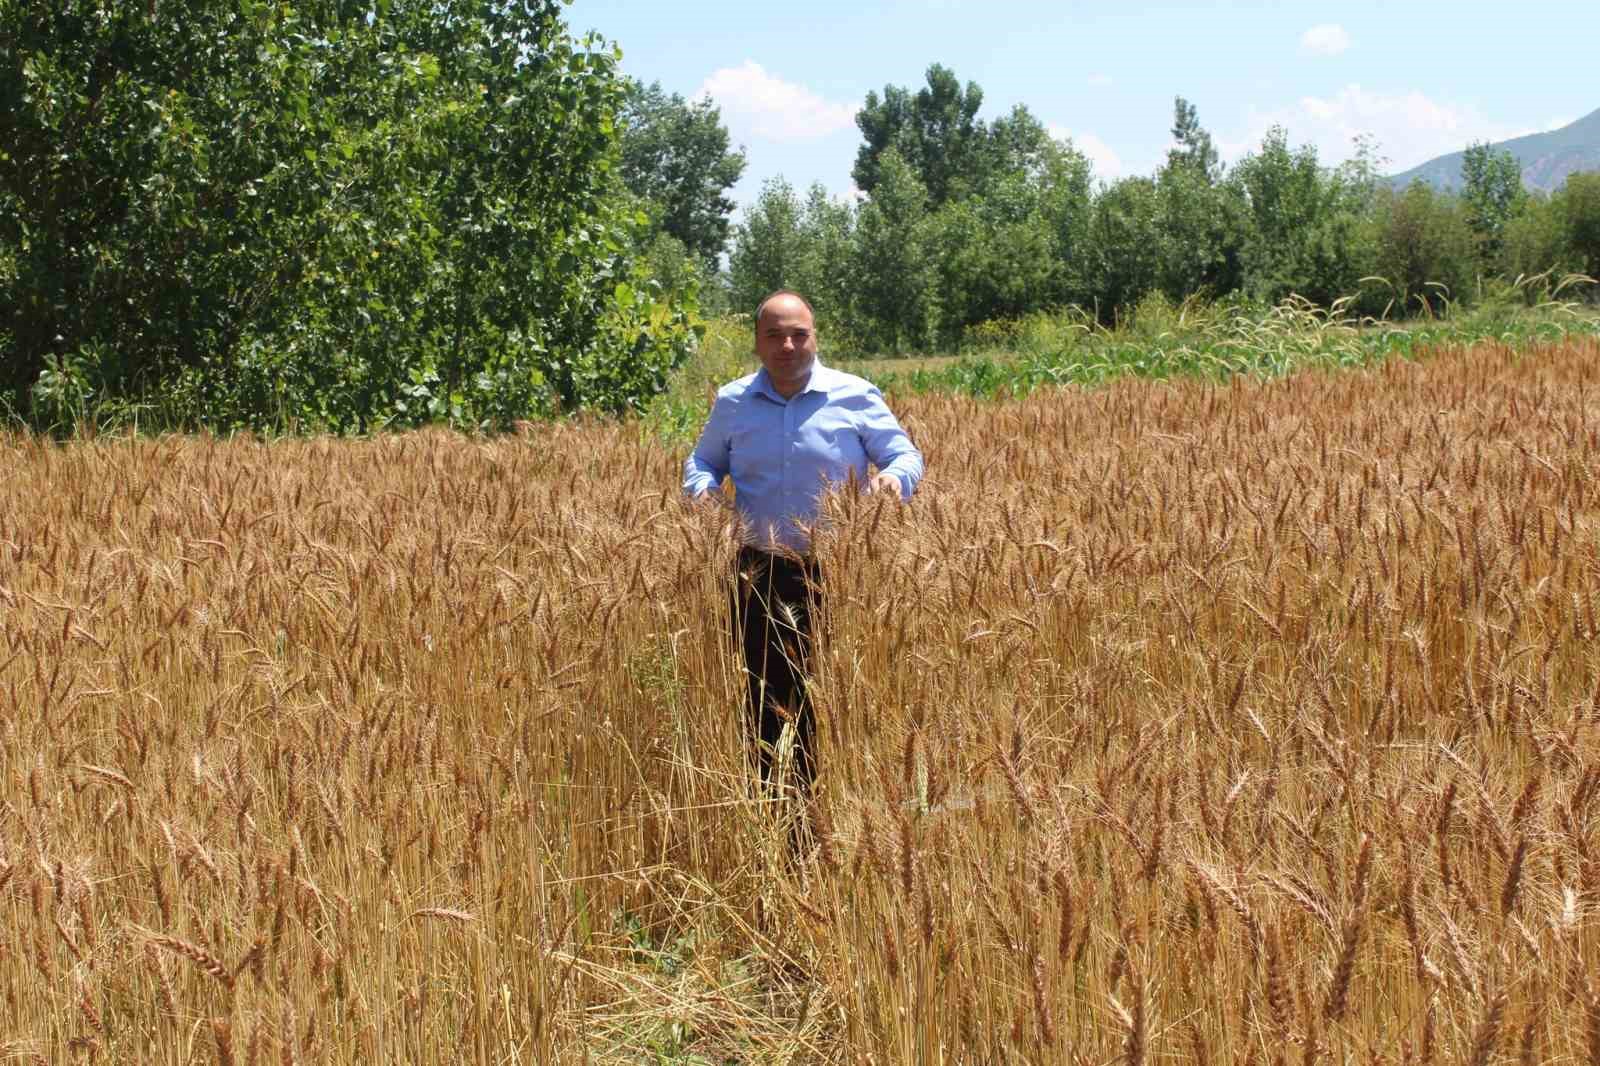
(1161, 341)
(1012, 358)
(1188, 719)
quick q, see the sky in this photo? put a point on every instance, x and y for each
(1421, 78)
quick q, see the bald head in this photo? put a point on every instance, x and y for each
(780, 298)
(786, 340)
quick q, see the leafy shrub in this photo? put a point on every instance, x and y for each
(1425, 247)
(344, 216)
(1579, 205)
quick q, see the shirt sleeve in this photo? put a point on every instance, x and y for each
(707, 465)
(888, 445)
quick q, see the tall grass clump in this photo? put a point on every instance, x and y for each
(1159, 339)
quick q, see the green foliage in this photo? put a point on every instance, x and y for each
(1203, 227)
(936, 132)
(337, 215)
(1578, 206)
(895, 274)
(1535, 239)
(1425, 247)
(993, 258)
(1124, 243)
(766, 247)
(1284, 191)
(894, 281)
(642, 339)
(808, 246)
(1066, 201)
(675, 157)
(662, 258)
(1017, 146)
(1217, 340)
(1192, 149)
(1304, 231)
(823, 264)
(1035, 333)
(1202, 220)
(967, 224)
(725, 351)
(1492, 192)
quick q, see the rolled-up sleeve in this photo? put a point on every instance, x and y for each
(707, 465)
(888, 445)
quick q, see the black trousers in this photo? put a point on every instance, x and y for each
(776, 608)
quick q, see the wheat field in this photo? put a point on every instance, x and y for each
(1172, 722)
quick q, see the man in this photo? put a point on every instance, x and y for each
(785, 433)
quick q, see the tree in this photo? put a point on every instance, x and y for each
(992, 257)
(1202, 219)
(935, 132)
(1283, 188)
(1303, 223)
(1424, 246)
(1535, 240)
(1124, 245)
(1066, 201)
(809, 246)
(675, 156)
(1492, 192)
(346, 215)
(1203, 231)
(1192, 148)
(893, 277)
(1579, 206)
(766, 246)
(1016, 145)
(827, 230)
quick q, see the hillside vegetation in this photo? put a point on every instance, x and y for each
(1545, 160)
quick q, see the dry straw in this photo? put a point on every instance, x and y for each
(1173, 721)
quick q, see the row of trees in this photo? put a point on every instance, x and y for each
(964, 221)
(342, 213)
(362, 213)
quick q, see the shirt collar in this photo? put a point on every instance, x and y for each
(818, 382)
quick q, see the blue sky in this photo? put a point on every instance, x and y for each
(1422, 78)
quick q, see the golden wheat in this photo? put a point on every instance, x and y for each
(1173, 721)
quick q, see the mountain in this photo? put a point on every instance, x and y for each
(1546, 158)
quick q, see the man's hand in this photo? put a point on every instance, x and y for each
(885, 483)
(709, 500)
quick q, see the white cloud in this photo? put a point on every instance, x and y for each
(755, 103)
(1099, 79)
(1107, 163)
(1328, 39)
(1410, 128)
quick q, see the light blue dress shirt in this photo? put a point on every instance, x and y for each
(783, 454)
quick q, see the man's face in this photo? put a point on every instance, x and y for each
(786, 342)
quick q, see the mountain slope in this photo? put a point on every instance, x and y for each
(1546, 158)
